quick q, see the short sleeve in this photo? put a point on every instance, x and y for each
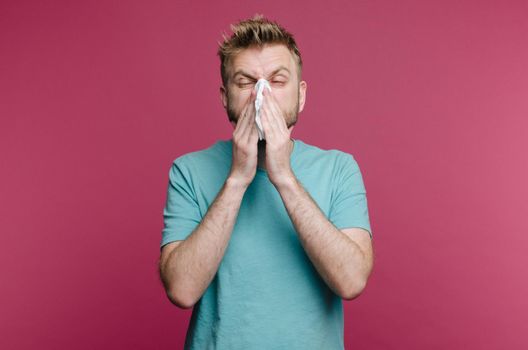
(349, 201)
(181, 214)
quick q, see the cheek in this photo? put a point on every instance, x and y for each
(236, 102)
(240, 97)
(285, 97)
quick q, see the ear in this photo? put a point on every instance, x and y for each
(223, 96)
(302, 95)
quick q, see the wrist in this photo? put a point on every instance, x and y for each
(236, 183)
(285, 182)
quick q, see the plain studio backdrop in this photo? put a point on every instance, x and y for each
(98, 98)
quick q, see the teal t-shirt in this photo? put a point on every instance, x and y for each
(266, 293)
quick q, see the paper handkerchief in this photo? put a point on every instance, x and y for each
(259, 86)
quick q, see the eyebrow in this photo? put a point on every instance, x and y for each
(241, 72)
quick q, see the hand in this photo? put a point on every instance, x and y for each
(245, 149)
(278, 141)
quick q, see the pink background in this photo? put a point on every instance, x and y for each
(97, 100)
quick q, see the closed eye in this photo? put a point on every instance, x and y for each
(245, 83)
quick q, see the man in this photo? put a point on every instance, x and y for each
(264, 237)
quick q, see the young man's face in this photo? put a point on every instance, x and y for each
(274, 63)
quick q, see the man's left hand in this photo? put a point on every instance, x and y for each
(278, 141)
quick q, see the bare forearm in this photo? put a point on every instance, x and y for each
(190, 267)
(338, 259)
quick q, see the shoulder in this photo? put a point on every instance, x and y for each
(217, 151)
(203, 167)
(334, 158)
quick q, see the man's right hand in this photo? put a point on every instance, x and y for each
(187, 268)
(245, 145)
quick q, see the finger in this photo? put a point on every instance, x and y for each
(252, 124)
(269, 131)
(245, 115)
(240, 121)
(253, 135)
(271, 113)
(271, 118)
(251, 103)
(274, 106)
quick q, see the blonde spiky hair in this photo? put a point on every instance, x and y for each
(257, 31)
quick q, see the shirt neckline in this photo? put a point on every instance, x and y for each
(261, 171)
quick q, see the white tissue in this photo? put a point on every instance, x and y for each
(259, 86)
